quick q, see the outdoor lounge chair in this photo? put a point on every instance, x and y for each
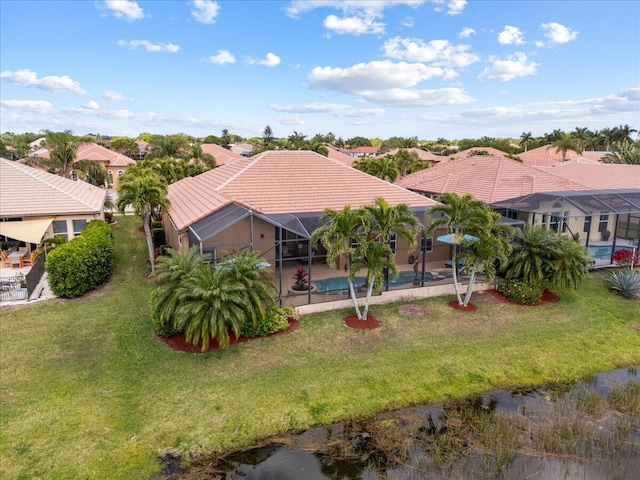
(6, 260)
(27, 259)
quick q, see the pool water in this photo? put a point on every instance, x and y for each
(340, 284)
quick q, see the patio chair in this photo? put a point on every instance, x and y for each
(27, 259)
(5, 259)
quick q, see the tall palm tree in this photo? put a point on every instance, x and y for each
(459, 216)
(565, 143)
(211, 304)
(143, 190)
(339, 229)
(525, 140)
(378, 259)
(622, 133)
(492, 247)
(581, 135)
(62, 148)
(387, 220)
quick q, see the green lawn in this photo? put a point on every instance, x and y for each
(88, 392)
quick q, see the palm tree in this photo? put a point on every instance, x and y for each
(212, 302)
(532, 258)
(623, 152)
(339, 229)
(91, 172)
(525, 140)
(382, 167)
(387, 220)
(378, 259)
(622, 133)
(460, 216)
(492, 247)
(143, 190)
(172, 272)
(62, 148)
(250, 270)
(582, 136)
(297, 141)
(565, 143)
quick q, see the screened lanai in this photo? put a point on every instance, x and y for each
(602, 220)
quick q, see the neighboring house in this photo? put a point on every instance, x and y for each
(565, 198)
(478, 152)
(338, 154)
(242, 149)
(221, 154)
(113, 162)
(35, 204)
(546, 156)
(363, 151)
(271, 203)
(36, 144)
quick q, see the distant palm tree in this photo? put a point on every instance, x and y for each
(143, 190)
(91, 172)
(622, 133)
(525, 140)
(380, 167)
(459, 216)
(564, 144)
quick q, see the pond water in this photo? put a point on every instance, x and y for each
(589, 429)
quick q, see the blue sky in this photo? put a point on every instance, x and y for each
(425, 68)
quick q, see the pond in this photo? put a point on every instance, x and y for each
(588, 429)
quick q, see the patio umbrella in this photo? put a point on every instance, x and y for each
(449, 238)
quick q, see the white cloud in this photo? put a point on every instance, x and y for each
(148, 46)
(124, 9)
(205, 11)
(539, 43)
(298, 7)
(438, 52)
(558, 33)
(114, 96)
(467, 32)
(270, 61)
(353, 25)
(222, 57)
(27, 78)
(623, 102)
(37, 106)
(91, 105)
(517, 65)
(377, 75)
(399, 97)
(454, 7)
(510, 36)
(408, 22)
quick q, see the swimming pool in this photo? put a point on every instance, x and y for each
(339, 285)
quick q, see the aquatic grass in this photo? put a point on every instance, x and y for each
(88, 392)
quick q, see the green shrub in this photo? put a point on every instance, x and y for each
(82, 264)
(157, 234)
(160, 327)
(626, 283)
(519, 292)
(275, 320)
(156, 224)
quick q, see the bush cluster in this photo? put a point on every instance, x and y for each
(519, 292)
(82, 264)
(275, 320)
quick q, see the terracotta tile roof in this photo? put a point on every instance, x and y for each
(338, 154)
(545, 156)
(596, 175)
(490, 179)
(282, 182)
(221, 154)
(27, 191)
(364, 150)
(95, 152)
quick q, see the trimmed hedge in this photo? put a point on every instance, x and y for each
(520, 292)
(84, 263)
(275, 320)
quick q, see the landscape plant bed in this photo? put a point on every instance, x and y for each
(370, 323)
(179, 343)
(547, 298)
(86, 387)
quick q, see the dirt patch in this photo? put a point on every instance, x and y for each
(412, 310)
(469, 308)
(547, 298)
(370, 323)
(179, 342)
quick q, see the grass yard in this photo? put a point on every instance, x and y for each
(88, 392)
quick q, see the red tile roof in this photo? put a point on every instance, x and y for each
(490, 179)
(95, 152)
(545, 156)
(422, 154)
(282, 182)
(221, 154)
(338, 154)
(596, 175)
(27, 191)
(473, 152)
(364, 150)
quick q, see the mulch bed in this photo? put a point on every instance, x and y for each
(469, 308)
(547, 298)
(370, 323)
(179, 343)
